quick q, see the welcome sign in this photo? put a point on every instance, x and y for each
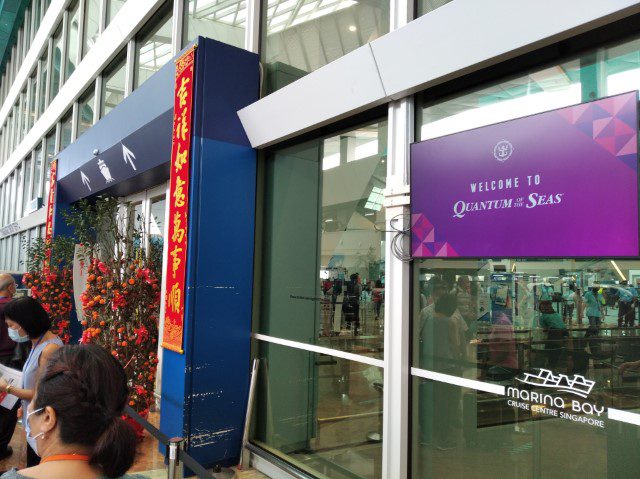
(563, 183)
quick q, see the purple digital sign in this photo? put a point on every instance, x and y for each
(563, 183)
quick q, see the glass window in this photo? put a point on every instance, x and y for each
(14, 62)
(10, 135)
(426, 6)
(324, 414)
(303, 35)
(85, 109)
(5, 206)
(336, 256)
(44, 77)
(91, 25)
(12, 198)
(497, 320)
(19, 45)
(223, 21)
(56, 66)
(37, 15)
(21, 254)
(153, 50)
(113, 7)
(8, 250)
(493, 321)
(23, 116)
(50, 153)
(113, 85)
(19, 190)
(33, 96)
(2, 204)
(156, 231)
(37, 173)
(15, 252)
(27, 183)
(27, 31)
(72, 39)
(66, 131)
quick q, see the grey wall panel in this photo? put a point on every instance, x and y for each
(460, 37)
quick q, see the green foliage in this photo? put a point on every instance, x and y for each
(61, 248)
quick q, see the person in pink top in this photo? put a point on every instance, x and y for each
(503, 358)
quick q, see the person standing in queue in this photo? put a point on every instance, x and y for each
(593, 304)
(75, 418)
(28, 321)
(8, 417)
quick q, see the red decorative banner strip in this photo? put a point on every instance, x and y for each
(178, 203)
(51, 200)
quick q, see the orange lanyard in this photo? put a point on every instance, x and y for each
(65, 457)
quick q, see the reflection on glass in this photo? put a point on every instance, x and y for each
(15, 252)
(113, 7)
(153, 51)
(91, 25)
(324, 280)
(156, 232)
(56, 66)
(37, 173)
(21, 257)
(23, 119)
(19, 190)
(324, 414)
(303, 35)
(31, 117)
(27, 183)
(223, 21)
(27, 30)
(5, 204)
(426, 6)
(72, 39)
(12, 198)
(85, 108)
(113, 87)
(65, 131)
(612, 71)
(50, 152)
(522, 325)
(37, 16)
(43, 83)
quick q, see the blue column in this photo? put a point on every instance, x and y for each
(204, 390)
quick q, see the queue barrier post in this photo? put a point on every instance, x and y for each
(175, 470)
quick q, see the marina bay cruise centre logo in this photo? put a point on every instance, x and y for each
(503, 150)
(556, 403)
(578, 385)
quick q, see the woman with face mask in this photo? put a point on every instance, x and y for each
(75, 418)
(28, 321)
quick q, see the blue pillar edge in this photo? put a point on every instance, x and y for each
(204, 390)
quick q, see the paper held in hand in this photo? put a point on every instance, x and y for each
(14, 378)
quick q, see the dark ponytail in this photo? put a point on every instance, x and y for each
(87, 388)
(114, 451)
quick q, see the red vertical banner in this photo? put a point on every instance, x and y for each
(179, 203)
(51, 200)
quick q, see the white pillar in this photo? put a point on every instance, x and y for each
(396, 416)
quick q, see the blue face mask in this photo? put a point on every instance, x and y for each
(15, 336)
(33, 443)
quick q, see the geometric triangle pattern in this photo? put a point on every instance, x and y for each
(610, 122)
(424, 240)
